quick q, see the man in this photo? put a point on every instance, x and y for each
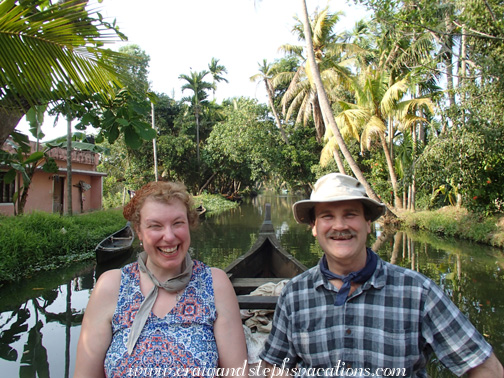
(356, 315)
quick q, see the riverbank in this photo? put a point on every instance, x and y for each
(457, 222)
(42, 241)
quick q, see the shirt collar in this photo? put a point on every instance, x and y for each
(377, 280)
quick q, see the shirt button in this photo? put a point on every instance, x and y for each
(348, 331)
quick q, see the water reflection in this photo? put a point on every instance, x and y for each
(40, 318)
(38, 333)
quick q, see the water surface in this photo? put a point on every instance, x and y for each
(40, 318)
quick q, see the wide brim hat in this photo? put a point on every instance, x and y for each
(336, 187)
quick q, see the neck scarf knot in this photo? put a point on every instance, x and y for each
(360, 276)
(172, 285)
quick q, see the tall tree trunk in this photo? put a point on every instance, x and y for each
(339, 161)
(448, 60)
(154, 145)
(413, 190)
(326, 108)
(9, 119)
(392, 174)
(462, 71)
(269, 89)
(390, 138)
(206, 183)
(23, 190)
(413, 167)
(409, 197)
(196, 114)
(69, 166)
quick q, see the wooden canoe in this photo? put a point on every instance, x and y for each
(115, 246)
(201, 210)
(266, 261)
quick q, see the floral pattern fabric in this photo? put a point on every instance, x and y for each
(180, 344)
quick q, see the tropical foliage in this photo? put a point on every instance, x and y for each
(52, 52)
(414, 92)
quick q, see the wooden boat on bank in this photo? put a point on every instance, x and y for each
(266, 261)
(201, 210)
(115, 246)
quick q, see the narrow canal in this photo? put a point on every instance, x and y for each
(40, 317)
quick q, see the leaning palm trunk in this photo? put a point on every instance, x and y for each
(326, 108)
(339, 161)
(392, 174)
(273, 110)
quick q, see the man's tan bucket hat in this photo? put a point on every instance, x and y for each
(336, 187)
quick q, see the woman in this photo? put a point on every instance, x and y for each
(165, 312)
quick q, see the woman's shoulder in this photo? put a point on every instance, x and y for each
(223, 289)
(108, 283)
(219, 276)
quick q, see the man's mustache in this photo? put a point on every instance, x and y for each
(340, 234)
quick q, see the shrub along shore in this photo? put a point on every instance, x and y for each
(41, 241)
(459, 223)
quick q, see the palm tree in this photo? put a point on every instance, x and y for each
(217, 70)
(333, 53)
(50, 53)
(377, 104)
(266, 72)
(326, 107)
(330, 55)
(198, 86)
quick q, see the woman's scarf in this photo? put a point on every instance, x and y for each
(172, 285)
(360, 276)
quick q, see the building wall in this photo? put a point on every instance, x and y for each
(45, 186)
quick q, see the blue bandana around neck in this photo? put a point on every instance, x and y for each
(360, 276)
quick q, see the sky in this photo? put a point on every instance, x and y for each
(183, 36)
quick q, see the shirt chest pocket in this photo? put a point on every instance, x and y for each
(390, 347)
(315, 346)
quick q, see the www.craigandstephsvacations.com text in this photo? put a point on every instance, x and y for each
(257, 370)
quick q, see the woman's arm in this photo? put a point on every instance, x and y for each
(228, 328)
(96, 329)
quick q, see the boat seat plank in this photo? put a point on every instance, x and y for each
(253, 283)
(257, 302)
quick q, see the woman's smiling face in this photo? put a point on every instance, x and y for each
(164, 232)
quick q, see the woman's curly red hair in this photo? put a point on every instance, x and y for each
(163, 192)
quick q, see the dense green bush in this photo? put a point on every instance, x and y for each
(467, 163)
(214, 204)
(458, 222)
(42, 241)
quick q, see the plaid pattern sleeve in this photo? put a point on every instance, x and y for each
(454, 340)
(394, 320)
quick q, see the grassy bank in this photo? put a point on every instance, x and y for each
(214, 203)
(41, 241)
(459, 223)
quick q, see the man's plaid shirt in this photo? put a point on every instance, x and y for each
(394, 320)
